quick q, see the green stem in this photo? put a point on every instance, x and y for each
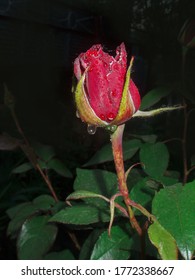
(152, 113)
(31, 155)
(117, 149)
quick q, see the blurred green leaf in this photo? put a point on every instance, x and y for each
(35, 239)
(59, 167)
(167, 181)
(151, 138)
(44, 152)
(22, 168)
(174, 207)
(163, 241)
(105, 153)
(20, 213)
(154, 96)
(89, 243)
(142, 194)
(82, 214)
(13, 211)
(44, 202)
(155, 158)
(114, 247)
(61, 255)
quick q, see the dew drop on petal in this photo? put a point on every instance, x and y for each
(110, 116)
(114, 93)
(102, 117)
(91, 129)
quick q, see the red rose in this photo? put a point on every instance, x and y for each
(105, 94)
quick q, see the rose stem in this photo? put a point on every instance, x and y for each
(117, 149)
(26, 147)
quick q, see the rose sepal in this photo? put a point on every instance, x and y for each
(85, 111)
(126, 108)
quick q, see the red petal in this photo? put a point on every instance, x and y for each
(121, 55)
(98, 88)
(105, 81)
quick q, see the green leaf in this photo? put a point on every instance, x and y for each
(59, 167)
(174, 207)
(89, 243)
(44, 152)
(97, 181)
(13, 211)
(42, 164)
(142, 194)
(134, 177)
(22, 168)
(167, 181)
(22, 214)
(44, 202)
(163, 241)
(105, 153)
(154, 96)
(151, 138)
(155, 158)
(84, 194)
(61, 255)
(81, 214)
(36, 238)
(115, 247)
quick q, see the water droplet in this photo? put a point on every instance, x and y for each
(91, 129)
(77, 115)
(110, 116)
(113, 93)
(102, 117)
(113, 128)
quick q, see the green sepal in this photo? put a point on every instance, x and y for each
(85, 111)
(126, 108)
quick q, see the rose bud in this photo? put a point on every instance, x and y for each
(105, 95)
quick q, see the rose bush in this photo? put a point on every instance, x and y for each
(105, 93)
